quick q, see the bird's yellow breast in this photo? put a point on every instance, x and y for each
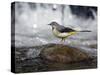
(62, 35)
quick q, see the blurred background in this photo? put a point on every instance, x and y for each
(31, 19)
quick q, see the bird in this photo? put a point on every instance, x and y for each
(63, 32)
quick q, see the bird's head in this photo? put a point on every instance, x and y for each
(53, 23)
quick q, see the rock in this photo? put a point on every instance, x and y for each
(52, 57)
(63, 53)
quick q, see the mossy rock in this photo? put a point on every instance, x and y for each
(63, 53)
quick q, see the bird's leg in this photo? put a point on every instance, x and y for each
(62, 39)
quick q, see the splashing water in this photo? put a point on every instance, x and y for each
(31, 27)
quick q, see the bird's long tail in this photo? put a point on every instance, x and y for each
(85, 31)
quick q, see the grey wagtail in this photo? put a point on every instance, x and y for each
(63, 32)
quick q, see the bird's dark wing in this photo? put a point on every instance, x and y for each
(63, 29)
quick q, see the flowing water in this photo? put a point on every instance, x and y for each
(31, 27)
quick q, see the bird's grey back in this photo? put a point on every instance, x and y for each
(62, 29)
